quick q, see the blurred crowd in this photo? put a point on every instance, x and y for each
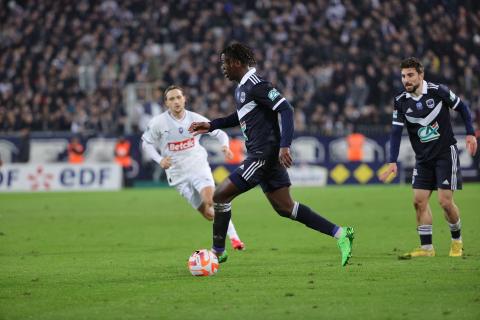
(64, 65)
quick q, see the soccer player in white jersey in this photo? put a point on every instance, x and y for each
(423, 108)
(182, 156)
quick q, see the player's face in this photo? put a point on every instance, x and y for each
(175, 101)
(229, 68)
(411, 79)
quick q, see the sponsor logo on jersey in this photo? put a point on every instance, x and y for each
(430, 103)
(273, 94)
(419, 105)
(452, 96)
(428, 133)
(243, 126)
(181, 145)
(409, 110)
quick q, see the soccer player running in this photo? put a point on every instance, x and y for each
(258, 104)
(183, 158)
(424, 109)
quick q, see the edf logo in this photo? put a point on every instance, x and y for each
(60, 177)
(83, 177)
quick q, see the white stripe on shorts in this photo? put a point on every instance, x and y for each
(453, 179)
(251, 169)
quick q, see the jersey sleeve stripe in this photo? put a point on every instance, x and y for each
(456, 103)
(396, 123)
(278, 104)
(254, 79)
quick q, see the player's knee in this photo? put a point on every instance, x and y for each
(208, 204)
(420, 204)
(209, 215)
(206, 211)
(445, 203)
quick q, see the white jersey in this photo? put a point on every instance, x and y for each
(171, 137)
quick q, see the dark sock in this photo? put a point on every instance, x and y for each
(455, 229)
(425, 233)
(313, 220)
(455, 234)
(223, 214)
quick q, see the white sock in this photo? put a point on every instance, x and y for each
(427, 247)
(338, 233)
(232, 233)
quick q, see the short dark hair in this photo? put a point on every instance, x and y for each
(240, 52)
(170, 88)
(412, 62)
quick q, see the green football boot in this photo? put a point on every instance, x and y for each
(345, 243)
(222, 257)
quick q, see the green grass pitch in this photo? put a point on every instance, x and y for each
(123, 255)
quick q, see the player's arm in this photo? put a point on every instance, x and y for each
(218, 134)
(222, 137)
(220, 123)
(395, 139)
(454, 102)
(265, 94)
(148, 145)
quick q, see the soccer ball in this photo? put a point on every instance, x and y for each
(203, 263)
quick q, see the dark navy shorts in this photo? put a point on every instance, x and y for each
(441, 173)
(268, 173)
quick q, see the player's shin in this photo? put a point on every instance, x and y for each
(223, 214)
(313, 220)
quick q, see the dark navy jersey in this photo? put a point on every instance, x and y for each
(256, 102)
(427, 119)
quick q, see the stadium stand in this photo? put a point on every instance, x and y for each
(64, 65)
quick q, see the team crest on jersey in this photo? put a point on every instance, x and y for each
(419, 105)
(395, 114)
(429, 133)
(242, 97)
(273, 94)
(430, 103)
(180, 130)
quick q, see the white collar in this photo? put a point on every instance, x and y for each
(178, 120)
(247, 75)
(424, 91)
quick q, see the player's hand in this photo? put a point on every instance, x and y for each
(471, 144)
(227, 152)
(285, 157)
(199, 128)
(392, 168)
(166, 163)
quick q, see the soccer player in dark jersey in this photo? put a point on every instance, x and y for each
(424, 109)
(258, 105)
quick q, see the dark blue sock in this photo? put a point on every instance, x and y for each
(223, 214)
(425, 233)
(313, 220)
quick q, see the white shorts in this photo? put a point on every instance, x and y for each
(191, 186)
